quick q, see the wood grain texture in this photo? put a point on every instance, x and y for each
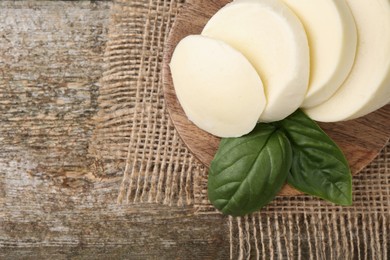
(61, 142)
(41, 220)
(361, 139)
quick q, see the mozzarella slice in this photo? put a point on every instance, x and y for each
(217, 87)
(332, 37)
(274, 41)
(368, 86)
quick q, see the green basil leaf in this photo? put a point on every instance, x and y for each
(248, 172)
(319, 166)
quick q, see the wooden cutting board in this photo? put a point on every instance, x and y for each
(361, 140)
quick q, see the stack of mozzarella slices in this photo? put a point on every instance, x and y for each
(261, 60)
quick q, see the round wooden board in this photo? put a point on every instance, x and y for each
(361, 140)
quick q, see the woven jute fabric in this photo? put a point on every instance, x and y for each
(158, 166)
(160, 169)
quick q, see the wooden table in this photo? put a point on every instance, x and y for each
(63, 153)
(55, 202)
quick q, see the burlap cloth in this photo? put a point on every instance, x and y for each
(159, 168)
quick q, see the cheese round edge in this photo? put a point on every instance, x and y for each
(332, 36)
(367, 88)
(273, 39)
(217, 87)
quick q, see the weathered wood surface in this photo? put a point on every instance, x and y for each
(64, 143)
(58, 180)
(361, 139)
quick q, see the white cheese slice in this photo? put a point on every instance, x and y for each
(273, 39)
(332, 36)
(218, 88)
(367, 88)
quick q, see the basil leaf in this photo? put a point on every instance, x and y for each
(248, 172)
(319, 167)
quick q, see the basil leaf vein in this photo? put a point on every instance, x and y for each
(248, 172)
(319, 166)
